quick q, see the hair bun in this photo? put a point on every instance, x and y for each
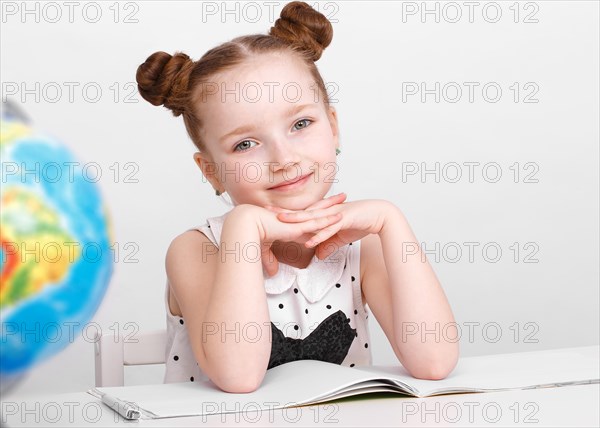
(303, 26)
(163, 79)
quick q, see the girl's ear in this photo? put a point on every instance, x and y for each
(209, 169)
(333, 121)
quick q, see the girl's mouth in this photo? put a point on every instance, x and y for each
(292, 184)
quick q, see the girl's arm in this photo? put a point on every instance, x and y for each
(397, 281)
(221, 292)
(407, 299)
(222, 299)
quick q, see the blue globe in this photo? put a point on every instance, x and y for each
(56, 260)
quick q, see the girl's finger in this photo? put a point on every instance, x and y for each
(323, 203)
(328, 247)
(269, 262)
(302, 216)
(317, 224)
(327, 202)
(323, 235)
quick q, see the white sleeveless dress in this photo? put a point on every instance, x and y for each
(316, 313)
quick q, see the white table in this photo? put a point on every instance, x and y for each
(561, 406)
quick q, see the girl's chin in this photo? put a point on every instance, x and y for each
(295, 202)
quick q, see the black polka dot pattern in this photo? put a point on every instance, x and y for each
(181, 321)
(296, 290)
(281, 306)
(192, 379)
(338, 285)
(328, 306)
(176, 358)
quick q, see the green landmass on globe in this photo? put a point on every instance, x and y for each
(37, 250)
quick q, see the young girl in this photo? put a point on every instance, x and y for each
(285, 274)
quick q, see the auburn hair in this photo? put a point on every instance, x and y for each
(177, 82)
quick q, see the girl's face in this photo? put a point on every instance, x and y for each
(266, 124)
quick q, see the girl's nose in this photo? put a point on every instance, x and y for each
(283, 155)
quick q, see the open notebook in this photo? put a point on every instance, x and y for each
(307, 382)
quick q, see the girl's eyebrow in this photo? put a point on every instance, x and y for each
(247, 128)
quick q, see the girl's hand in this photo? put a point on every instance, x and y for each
(359, 218)
(272, 229)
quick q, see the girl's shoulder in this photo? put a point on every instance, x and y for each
(201, 239)
(182, 269)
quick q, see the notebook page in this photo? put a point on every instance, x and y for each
(310, 379)
(507, 371)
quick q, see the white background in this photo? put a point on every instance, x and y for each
(376, 50)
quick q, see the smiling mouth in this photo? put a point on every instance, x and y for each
(292, 184)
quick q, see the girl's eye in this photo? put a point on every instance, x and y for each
(307, 121)
(243, 145)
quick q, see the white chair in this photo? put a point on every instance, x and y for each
(113, 353)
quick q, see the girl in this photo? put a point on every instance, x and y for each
(285, 274)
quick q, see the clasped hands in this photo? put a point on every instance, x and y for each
(344, 222)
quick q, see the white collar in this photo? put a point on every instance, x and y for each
(313, 282)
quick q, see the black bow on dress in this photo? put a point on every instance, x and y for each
(329, 342)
